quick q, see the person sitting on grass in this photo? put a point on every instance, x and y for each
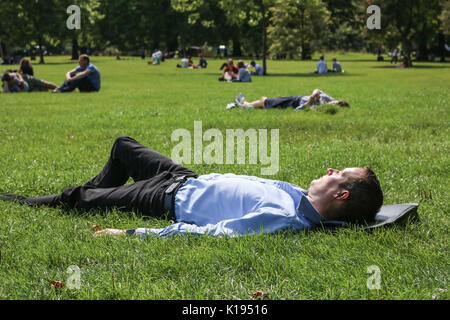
(202, 63)
(321, 66)
(17, 82)
(85, 77)
(243, 74)
(26, 67)
(336, 66)
(215, 204)
(405, 63)
(259, 71)
(156, 58)
(317, 98)
(184, 63)
(230, 71)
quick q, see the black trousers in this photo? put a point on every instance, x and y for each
(83, 84)
(283, 102)
(151, 171)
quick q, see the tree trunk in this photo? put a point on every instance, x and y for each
(441, 46)
(75, 54)
(423, 52)
(41, 51)
(2, 50)
(407, 51)
(236, 47)
(264, 39)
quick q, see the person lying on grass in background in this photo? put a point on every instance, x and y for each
(16, 82)
(297, 102)
(215, 204)
(85, 77)
(13, 82)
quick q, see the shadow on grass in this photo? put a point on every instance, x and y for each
(415, 66)
(327, 75)
(331, 74)
(57, 63)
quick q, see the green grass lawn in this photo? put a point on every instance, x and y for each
(398, 124)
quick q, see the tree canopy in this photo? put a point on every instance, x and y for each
(259, 28)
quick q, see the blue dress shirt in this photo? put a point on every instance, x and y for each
(93, 76)
(234, 205)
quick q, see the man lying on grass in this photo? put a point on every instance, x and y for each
(297, 102)
(215, 204)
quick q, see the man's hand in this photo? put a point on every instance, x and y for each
(110, 232)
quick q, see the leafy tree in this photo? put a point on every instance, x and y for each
(444, 18)
(295, 24)
(412, 22)
(8, 26)
(38, 21)
(134, 24)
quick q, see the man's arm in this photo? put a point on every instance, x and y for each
(20, 78)
(69, 73)
(80, 75)
(268, 220)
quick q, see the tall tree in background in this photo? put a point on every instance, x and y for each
(253, 12)
(295, 24)
(135, 24)
(414, 23)
(239, 14)
(40, 20)
(8, 21)
(89, 34)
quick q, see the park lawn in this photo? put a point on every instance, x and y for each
(398, 124)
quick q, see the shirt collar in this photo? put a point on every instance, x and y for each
(307, 209)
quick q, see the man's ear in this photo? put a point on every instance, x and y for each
(343, 194)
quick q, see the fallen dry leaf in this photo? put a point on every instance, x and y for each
(260, 295)
(57, 284)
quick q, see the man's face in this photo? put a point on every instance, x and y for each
(83, 63)
(328, 185)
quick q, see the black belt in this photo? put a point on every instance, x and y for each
(169, 194)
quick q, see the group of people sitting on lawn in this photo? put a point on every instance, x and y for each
(85, 78)
(186, 62)
(322, 66)
(241, 73)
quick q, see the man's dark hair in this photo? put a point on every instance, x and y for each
(84, 57)
(253, 63)
(364, 201)
(321, 58)
(6, 77)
